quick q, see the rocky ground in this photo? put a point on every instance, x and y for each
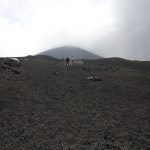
(46, 106)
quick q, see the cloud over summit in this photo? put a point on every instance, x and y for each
(107, 27)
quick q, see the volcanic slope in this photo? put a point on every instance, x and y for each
(44, 105)
(70, 51)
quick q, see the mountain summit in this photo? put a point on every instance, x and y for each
(69, 51)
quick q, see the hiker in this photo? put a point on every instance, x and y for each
(67, 61)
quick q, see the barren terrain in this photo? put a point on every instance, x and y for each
(46, 106)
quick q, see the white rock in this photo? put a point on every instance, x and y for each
(15, 59)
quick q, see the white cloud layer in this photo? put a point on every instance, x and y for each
(106, 27)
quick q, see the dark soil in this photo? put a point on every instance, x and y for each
(46, 106)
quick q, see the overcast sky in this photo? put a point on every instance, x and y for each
(106, 27)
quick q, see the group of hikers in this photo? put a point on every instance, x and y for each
(67, 61)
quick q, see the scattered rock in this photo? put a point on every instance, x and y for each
(56, 73)
(2, 67)
(108, 68)
(84, 69)
(94, 78)
(8, 79)
(15, 71)
(89, 78)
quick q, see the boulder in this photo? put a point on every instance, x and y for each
(13, 62)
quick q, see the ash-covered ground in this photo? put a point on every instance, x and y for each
(46, 106)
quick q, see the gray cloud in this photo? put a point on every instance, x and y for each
(132, 35)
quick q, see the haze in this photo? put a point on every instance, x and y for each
(106, 27)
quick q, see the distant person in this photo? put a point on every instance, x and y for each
(67, 61)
